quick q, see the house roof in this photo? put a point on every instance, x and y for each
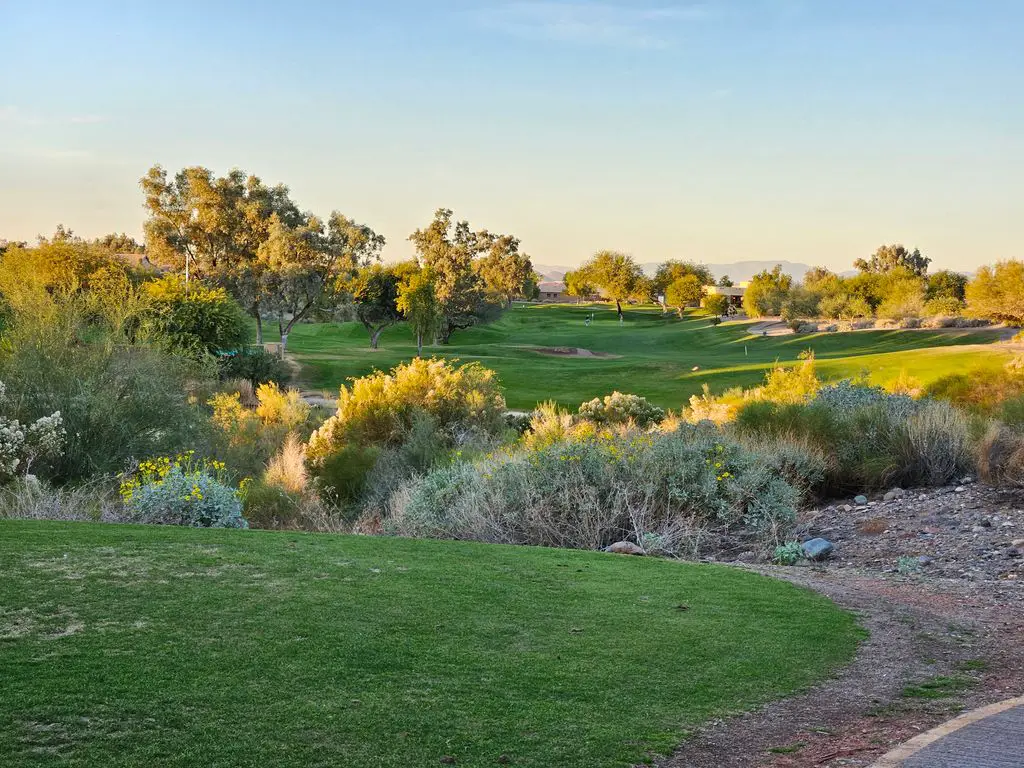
(551, 286)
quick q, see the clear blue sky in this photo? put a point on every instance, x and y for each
(805, 130)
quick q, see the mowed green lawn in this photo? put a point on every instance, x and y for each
(144, 646)
(652, 354)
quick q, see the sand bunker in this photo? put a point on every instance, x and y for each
(571, 352)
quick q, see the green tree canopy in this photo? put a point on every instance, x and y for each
(684, 291)
(767, 292)
(201, 322)
(889, 257)
(506, 273)
(417, 301)
(997, 293)
(617, 275)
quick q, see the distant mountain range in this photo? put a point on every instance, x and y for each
(738, 271)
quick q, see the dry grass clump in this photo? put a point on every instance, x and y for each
(1000, 456)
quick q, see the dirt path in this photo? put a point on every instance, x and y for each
(936, 648)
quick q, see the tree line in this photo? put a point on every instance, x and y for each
(252, 240)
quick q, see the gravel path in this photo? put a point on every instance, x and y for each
(947, 634)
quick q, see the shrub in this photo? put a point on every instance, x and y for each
(20, 444)
(284, 407)
(619, 408)
(790, 553)
(256, 365)
(180, 491)
(270, 506)
(591, 492)
(199, 321)
(425, 409)
(117, 399)
(342, 475)
(1000, 456)
(287, 470)
(29, 499)
(982, 391)
(943, 306)
(866, 437)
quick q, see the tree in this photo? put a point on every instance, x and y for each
(374, 291)
(997, 293)
(448, 249)
(767, 292)
(202, 322)
(889, 257)
(578, 284)
(305, 267)
(417, 301)
(673, 270)
(251, 239)
(717, 304)
(617, 275)
(507, 274)
(946, 284)
(684, 291)
(725, 282)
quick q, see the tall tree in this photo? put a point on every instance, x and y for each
(448, 250)
(578, 284)
(673, 270)
(374, 291)
(234, 231)
(507, 274)
(946, 284)
(417, 301)
(684, 291)
(617, 275)
(767, 292)
(997, 293)
(889, 257)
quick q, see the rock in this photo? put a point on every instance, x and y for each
(895, 493)
(978, 529)
(861, 500)
(925, 560)
(447, 760)
(625, 548)
(847, 508)
(1013, 553)
(966, 480)
(746, 557)
(1017, 543)
(818, 549)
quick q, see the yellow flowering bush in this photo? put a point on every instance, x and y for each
(182, 490)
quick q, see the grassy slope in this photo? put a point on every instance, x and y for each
(139, 646)
(656, 354)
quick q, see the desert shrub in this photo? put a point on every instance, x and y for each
(943, 306)
(797, 460)
(270, 506)
(196, 321)
(866, 437)
(983, 390)
(21, 444)
(1011, 411)
(287, 469)
(790, 553)
(285, 407)
(905, 384)
(342, 475)
(425, 410)
(182, 491)
(591, 492)
(793, 384)
(1000, 456)
(247, 438)
(619, 408)
(716, 304)
(27, 498)
(256, 365)
(117, 399)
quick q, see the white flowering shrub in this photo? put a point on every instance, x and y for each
(619, 408)
(21, 444)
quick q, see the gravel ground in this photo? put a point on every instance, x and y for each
(938, 578)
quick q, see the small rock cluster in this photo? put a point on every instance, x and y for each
(966, 531)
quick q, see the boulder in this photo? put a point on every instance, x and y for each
(818, 549)
(861, 500)
(625, 548)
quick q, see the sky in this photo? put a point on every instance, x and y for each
(724, 130)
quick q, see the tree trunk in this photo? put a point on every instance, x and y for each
(419, 344)
(375, 337)
(284, 343)
(259, 327)
(618, 308)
